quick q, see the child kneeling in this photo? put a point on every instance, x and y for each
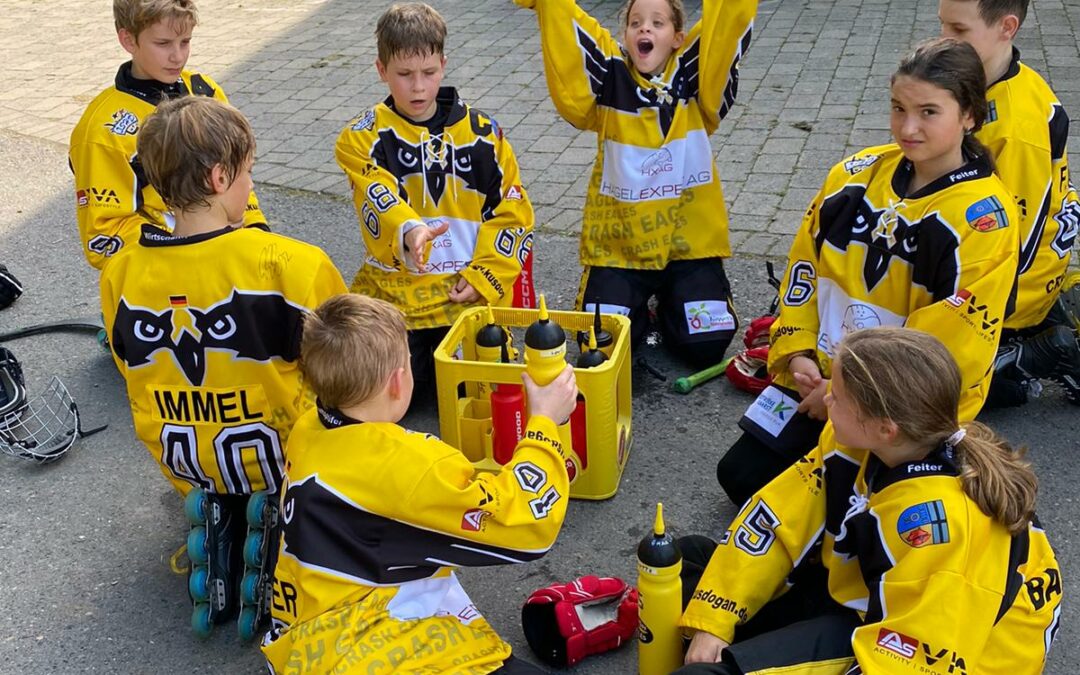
(376, 517)
(918, 552)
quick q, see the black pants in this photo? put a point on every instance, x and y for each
(695, 308)
(805, 625)
(422, 345)
(1008, 386)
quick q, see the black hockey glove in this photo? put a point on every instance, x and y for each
(10, 288)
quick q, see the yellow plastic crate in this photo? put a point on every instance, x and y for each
(465, 421)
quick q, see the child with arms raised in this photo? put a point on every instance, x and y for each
(655, 221)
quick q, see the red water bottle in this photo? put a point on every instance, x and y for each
(507, 417)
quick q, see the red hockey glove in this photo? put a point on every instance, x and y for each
(749, 370)
(757, 333)
(564, 623)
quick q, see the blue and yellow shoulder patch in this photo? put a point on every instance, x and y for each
(987, 215)
(924, 524)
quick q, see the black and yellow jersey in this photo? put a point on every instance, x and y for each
(655, 192)
(206, 331)
(458, 169)
(941, 586)
(941, 260)
(1027, 132)
(376, 518)
(112, 196)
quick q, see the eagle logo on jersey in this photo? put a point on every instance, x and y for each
(252, 326)
(625, 95)
(1068, 220)
(433, 159)
(123, 123)
(886, 235)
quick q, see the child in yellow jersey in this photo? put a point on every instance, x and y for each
(906, 542)
(655, 223)
(204, 324)
(919, 233)
(112, 196)
(1027, 133)
(378, 517)
(444, 217)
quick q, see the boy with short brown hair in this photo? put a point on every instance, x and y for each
(445, 221)
(112, 197)
(376, 517)
(1027, 132)
(204, 324)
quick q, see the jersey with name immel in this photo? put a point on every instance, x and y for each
(654, 194)
(206, 331)
(375, 519)
(941, 586)
(871, 253)
(1027, 132)
(112, 196)
(456, 169)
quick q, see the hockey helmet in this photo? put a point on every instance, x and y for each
(41, 429)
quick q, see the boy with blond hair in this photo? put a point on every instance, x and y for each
(376, 517)
(112, 197)
(205, 323)
(445, 220)
(1027, 132)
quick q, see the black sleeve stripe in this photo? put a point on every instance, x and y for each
(1019, 548)
(325, 530)
(596, 64)
(1059, 132)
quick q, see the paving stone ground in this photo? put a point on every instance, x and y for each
(813, 88)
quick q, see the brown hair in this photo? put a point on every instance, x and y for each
(183, 139)
(992, 11)
(678, 14)
(410, 29)
(135, 16)
(879, 365)
(351, 345)
(954, 66)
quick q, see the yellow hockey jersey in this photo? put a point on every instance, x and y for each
(375, 520)
(1027, 132)
(206, 331)
(112, 196)
(457, 169)
(942, 587)
(941, 260)
(655, 192)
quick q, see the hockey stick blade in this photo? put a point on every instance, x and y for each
(73, 325)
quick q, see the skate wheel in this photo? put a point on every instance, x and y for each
(250, 587)
(195, 506)
(248, 624)
(196, 545)
(253, 546)
(200, 620)
(103, 340)
(256, 508)
(199, 584)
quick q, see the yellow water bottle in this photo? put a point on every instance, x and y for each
(659, 601)
(490, 341)
(545, 358)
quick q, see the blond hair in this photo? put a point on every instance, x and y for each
(135, 16)
(410, 29)
(879, 367)
(351, 345)
(678, 14)
(184, 139)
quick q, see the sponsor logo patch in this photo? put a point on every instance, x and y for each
(81, 199)
(708, 316)
(854, 166)
(366, 121)
(473, 520)
(898, 642)
(514, 193)
(924, 525)
(987, 215)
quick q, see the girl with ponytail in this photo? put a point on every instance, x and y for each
(918, 233)
(924, 526)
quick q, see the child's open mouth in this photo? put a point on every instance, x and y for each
(644, 47)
